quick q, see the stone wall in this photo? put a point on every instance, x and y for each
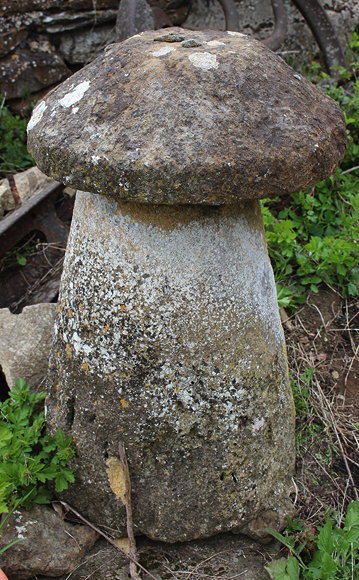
(44, 41)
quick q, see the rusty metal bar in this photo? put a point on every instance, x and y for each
(38, 213)
(278, 36)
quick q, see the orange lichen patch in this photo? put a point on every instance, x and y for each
(70, 313)
(59, 308)
(57, 386)
(69, 350)
(123, 307)
(85, 366)
(125, 404)
(81, 306)
(105, 329)
(116, 478)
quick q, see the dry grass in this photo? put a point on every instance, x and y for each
(323, 358)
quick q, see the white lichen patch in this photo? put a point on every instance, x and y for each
(204, 60)
(163, 51)
(37, 115)
(75, 95)
(216, 43)
(234, 33)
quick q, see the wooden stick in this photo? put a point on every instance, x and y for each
(129, 520)
(107, 538)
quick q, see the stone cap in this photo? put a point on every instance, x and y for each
(176, 116)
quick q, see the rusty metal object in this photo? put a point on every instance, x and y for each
(230, 15)
(323, 32)
(278, 36)
(14, 190)
(36, 214)
(314, 14)
(39, 222)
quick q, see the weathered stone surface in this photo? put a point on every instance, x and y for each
(26, 70)
(49, 546)
(128, 24)
(86, 44)
(27, 184)
(14, 6)
(63, 21)
(25, 341)
(224, 120)
(10, 40)
(168, 339)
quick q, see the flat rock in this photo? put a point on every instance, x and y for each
(25, 341)
(26, 70)
(223, 556)
(49, 545)
(28, 183)
(85, 45)
(14, 6)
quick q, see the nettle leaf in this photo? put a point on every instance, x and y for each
(5, 435)
(352, 516)
(325, 537)
(29, 458)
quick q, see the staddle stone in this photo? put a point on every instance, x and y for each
(168, 337)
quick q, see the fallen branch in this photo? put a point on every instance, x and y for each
(129, 519)
(105, 536)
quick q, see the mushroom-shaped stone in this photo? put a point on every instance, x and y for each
(168, 337)
(178, 117)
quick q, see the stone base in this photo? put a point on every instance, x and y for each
(168, 340)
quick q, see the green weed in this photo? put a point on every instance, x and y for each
(330, 552)
(309, 427)
(28, 457)
(13, 153)
(313, 235)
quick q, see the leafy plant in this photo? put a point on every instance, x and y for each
(329, 553)
(13, 153)
(28, 457)
(312, 235)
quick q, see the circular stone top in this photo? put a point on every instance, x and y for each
(175, 116)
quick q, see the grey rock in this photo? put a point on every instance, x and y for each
(25, 341)
(133, 17)
(223, 556)
(256, 19)
(85, 45)
(49, 545)
(212, 124)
